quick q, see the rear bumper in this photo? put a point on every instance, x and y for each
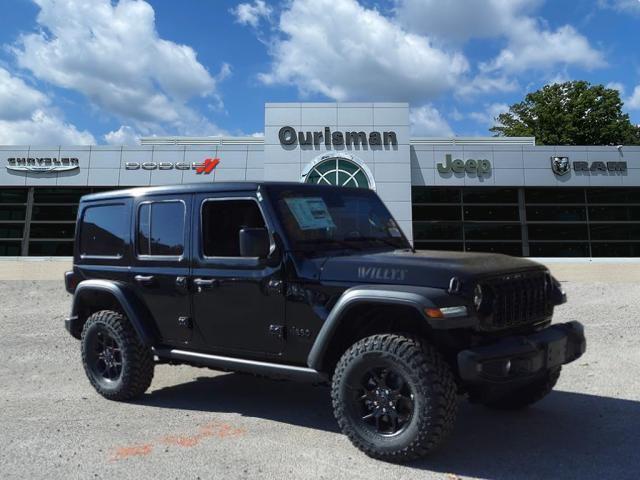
(522, 357)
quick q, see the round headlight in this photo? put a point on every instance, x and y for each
(477, 296)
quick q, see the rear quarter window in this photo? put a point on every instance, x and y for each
(103, 230)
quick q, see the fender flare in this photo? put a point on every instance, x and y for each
(416, 297)
(135, 311)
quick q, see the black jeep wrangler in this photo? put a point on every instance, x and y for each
(315, 283)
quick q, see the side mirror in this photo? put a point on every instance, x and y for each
(254, 242)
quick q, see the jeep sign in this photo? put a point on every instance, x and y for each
(470, 166)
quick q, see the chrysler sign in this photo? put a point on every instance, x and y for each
(42, 164)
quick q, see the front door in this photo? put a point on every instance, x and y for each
(238, 303)
(160, 268)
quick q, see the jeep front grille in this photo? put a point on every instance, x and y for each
(517, 299)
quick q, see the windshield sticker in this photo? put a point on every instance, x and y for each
(311, 213)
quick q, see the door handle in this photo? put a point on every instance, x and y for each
(204, 283)
(144, 279)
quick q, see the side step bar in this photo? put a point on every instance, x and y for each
(218, 362)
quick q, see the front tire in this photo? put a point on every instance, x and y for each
(117, 364)
(394, 397)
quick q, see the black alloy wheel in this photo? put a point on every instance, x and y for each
(385, 400)
(104, 355)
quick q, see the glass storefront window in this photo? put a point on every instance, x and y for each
(559, 213)
(554, 231)
(12, 212)
(554, 195)
(11, 230)
(563, 249)
(53, 230)
(13, 195)
(490, 195)
(492, 231)
(50, 248)
(436, 212)
(435, 195)
(613, 195)
(491, 213)
(59, 195)
(54, 212)
(9, 249)
(437, 231)
(617, 213)
(613, 231)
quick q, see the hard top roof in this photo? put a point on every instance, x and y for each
(192, 188)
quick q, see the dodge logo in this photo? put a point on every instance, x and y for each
(560, 165)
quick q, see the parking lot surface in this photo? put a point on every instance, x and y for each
(196, 423)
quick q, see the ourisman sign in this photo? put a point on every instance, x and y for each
(289, 136)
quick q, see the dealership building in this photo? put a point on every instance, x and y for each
(474, 194)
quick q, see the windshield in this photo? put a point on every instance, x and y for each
(324, 218)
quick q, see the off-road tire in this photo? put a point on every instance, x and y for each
(137, 360)
(430, 380)
(526, 395)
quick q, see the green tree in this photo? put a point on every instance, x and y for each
(570, 113)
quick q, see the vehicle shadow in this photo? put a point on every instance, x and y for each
(567, 435)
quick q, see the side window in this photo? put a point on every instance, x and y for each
(222, 221)
(103, 230)
(160, 230)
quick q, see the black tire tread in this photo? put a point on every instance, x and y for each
(137, 376)
(433, 373)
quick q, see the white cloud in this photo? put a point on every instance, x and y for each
(484, 84)
(616, 86)
(530, 44)
(26, 117)
(251, 14)
(488, 117)
(125, 135)
(427, 121)
(112, 53)
(17, 99)
(345, 51)
(461, 20)
(633, 102)
(624, 6)
(532, 48)
(42, 128)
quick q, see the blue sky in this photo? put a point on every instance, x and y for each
(100, 71)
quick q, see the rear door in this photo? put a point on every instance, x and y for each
(160, 267)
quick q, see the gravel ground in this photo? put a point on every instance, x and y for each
(195, 423)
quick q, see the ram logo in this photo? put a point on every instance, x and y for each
(560, 165)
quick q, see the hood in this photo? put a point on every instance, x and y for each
(425, 268)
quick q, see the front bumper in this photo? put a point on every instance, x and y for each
(522, 357)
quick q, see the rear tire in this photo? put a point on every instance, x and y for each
(117, 364)
(526, 395)
(394, 397)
